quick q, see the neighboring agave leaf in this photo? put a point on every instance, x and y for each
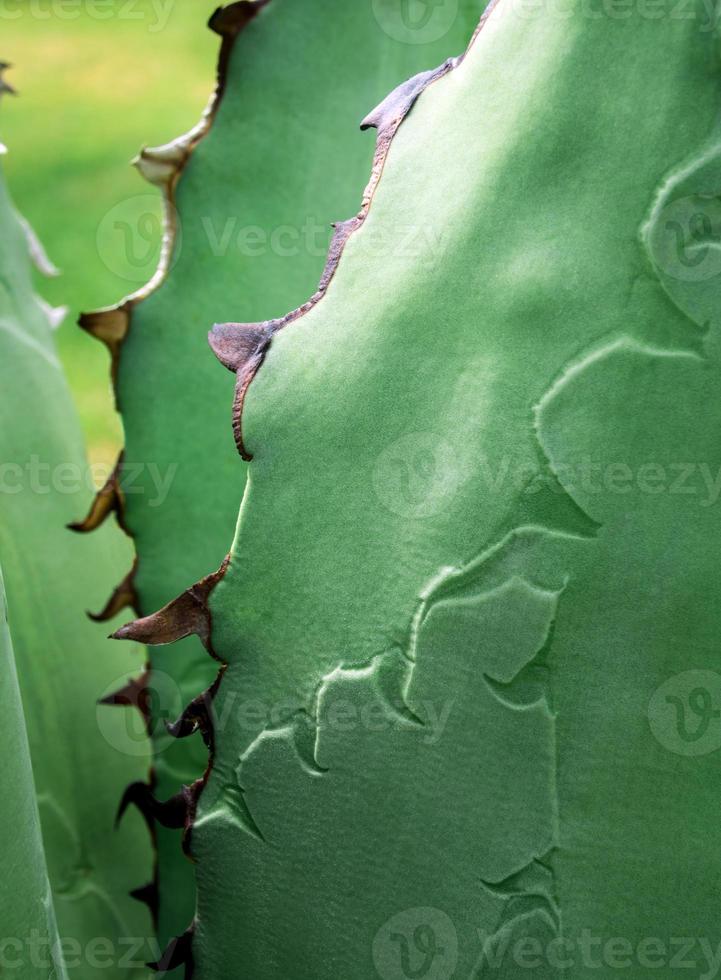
(83, 755)
(470, 627)
(255, 201)
(26, 902)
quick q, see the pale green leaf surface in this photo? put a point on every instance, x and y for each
(26, 902)
(435, 518)
(83, 755)
(283, 160)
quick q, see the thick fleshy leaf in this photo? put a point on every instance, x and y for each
(470, 619)
(250, 206)
(26, 902)
(83, 755)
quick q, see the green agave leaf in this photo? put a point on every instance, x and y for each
(472, 698)
(26, 902)
(83, 755)
(250, 202)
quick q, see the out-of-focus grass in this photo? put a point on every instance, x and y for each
(98, 79)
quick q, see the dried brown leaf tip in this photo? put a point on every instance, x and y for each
(110, 327)
(241, 348)
(163, 165)
(124, 596)
(135, 694)
(148, 895)
(174, 814)
(5, 86)
(108, 500)
(198, 716)
(396, 106)
(178, 953)
(187, 615)
(230, 20)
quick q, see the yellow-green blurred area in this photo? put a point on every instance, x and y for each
(97, 79)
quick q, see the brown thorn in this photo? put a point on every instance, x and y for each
(185, 616)
(171, 814)
(135, 694)
(179, 952)
(238, 344)
(123, 597)
(164, 166)
(5, 87)
(241, 347)
(148, 895)
(398, 103)
(108, 500)
(229, 21)
(110, 327)
(198, 716)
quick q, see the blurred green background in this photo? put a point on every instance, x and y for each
(97, 79)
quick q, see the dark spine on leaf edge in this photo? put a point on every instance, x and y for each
(108, 500)
(135, 694)
(124, 597)
(179, 952)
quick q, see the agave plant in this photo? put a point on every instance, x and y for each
(83, 755)
(462, 701)
(32, 908)
(459, 574)
(249, 196)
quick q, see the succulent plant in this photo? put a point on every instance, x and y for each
(31, 908)
(461, 705)
(83, 755)
(250, 194)
(467, 627)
